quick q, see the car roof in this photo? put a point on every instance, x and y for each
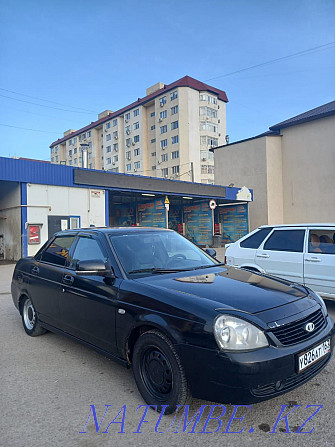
(113, 230)
(300, 225)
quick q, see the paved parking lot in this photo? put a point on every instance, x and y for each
(49, 383)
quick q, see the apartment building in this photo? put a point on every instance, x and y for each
(166, 134)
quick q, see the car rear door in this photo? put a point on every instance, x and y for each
(45, 278)
(282, 253)
(319, 261)
(88, 302)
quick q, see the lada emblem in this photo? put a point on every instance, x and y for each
(310, 327)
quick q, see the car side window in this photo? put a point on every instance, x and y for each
(255, 240)
(87, 249)
(286, 240)
(321, 241)
(57, 251)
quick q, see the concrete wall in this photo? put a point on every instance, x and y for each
(309, 171)
(45, 200)
(244, 164)
(10, 220)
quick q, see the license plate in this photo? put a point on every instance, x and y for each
(313, 355)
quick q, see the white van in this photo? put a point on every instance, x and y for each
(303, 253)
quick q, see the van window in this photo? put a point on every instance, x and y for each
(255, 240)
(286, 240)
(321, 241)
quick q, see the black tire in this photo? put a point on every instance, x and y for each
(30, 319)
(158, 372)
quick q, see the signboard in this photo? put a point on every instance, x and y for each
(212, 204)
(234, 220)
(34, 234)
(152, 214)
(198, 222)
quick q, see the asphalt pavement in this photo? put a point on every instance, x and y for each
(55, 392)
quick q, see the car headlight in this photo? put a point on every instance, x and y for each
(235, 334)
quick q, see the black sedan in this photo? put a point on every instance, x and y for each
(186, 323)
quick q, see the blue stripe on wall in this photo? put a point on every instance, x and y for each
(106, 208)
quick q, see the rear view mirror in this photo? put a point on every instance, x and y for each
(211, 252)
(94, 267)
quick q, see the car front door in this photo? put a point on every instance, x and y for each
(319, 261)
(45, 278)
(88, 301)
(282, 254)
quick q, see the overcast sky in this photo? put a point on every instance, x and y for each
(64, 62)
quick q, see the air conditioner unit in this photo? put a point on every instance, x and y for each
(133, 143)
(158, 162)
(113, 163)
(166, 176)
(106, 129)
(115, 138)
(160, 120)
(128, 144)
(126, 120)
(127, 132)
(162, 104)
(203, 159)
(116, 149)
(135, 170)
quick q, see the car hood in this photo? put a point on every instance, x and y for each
(229, 287)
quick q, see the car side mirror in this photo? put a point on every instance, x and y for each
(94, 267)
(211, 252)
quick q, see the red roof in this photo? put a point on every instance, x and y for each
(186, 81)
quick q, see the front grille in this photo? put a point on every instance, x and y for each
(295, 332)
(292, 381)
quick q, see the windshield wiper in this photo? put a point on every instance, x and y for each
(157, 270)
(208, 266)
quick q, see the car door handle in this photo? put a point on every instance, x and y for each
(68, 279)
(313, 259)
(263, 255)
(35, 270)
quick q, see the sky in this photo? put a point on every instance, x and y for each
(63, 62)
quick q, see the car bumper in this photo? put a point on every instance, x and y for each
(250, 377)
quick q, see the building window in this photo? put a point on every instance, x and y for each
(115, 170)
(153, 127)
(136, 152)
(175, 169)
(164, 129)
(153, 168)
(115, 158)
(165, 172)
(174, 154)
(84, 136)
(128, 142)
(70, 162)
(74, 140)
(70, 153)
(136, 138)
(210, 99)
(75, 150)
(207, 111)
(174, 110)
(209, 141)
(56, 158)
(153, 154)
(162, 101)
(152, 114)
(136, 125)
(109, 149)
(108, 137)
(128, 155)
(127, 116)
(128, 167)
(174, 95)
(115, 135)
(70, 143)
(164, 143)
(108, 125)
(207, 169)
(115, 122)
(205, 125)
(115, 147)
(136, 112)
(108, 160)
(163, 114)
(174, 125)
(153, 140)
(127, 129)
(52, 159)
(137, 165)
(56, 148)
(165, 157)
(175, 139)
(90, 166)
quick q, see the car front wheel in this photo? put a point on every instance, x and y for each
(158, 372)
(30, 319)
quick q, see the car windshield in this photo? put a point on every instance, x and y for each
(158, 252)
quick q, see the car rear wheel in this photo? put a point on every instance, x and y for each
(30, 319)
(158, 372)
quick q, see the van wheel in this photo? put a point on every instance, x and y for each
(30, 319)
